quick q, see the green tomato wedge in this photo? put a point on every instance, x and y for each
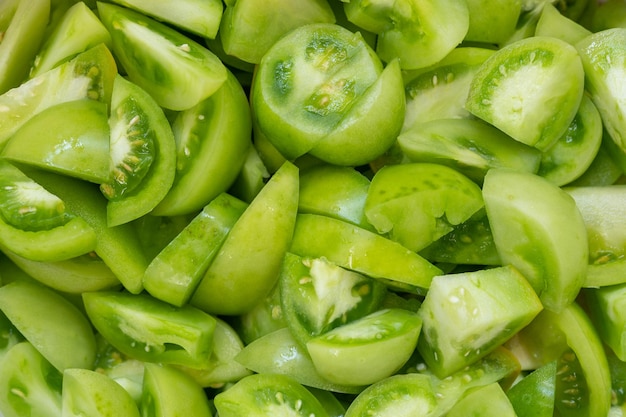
(152, 330)
(279, 353)
(368, 349)
(604, 59)
(486, 401)
(534, 394)
(492, 21)
(529, 89)
(35, 223)
(470, 146)
(168, 391)
(361, 250)
(606, 306)
(418, 33)
(572, 154)
(266, 317)
(248, 264)
(70, 138)
(554, 23)
(439, 91)
(199, 17)
(49, 322)
(21, 41)
(118, 246)
(211, 138)
(467, 315)
(78, 30)
(250, 27)
(73, 276)
(176, 271)
(321, 88)
(176, 70)
(417, 203)
(143, 154)
(29, 384)
(89, 75)
(318, 296)
(264, 395)
(538, 229)
(87, 392)
(334, 191)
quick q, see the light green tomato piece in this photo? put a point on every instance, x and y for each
(248, 264)
(93, 394)
(487, 401)
(51, 323)
(492, 21)
(554, 23)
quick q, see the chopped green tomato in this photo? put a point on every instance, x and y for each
(177, 71)
(79, 30)
(361, 250)
(211, 142)
(168, 391)
(75, 275)
(35, 223)
(156, 232)
(151, 330)
(606, 306)
(468, 145)
(248, 264)
(9, 335)
(367, 349)
(417, 203)
(322, 89)
(118, 246)
(49, 322)
(222, 368)
(143, 154)
(492, 21)
(602, 275)
(608, 14)
(71, 138)
(251, 178)
(176, 271)
(538, 228)
(317, 296)
(467, 315)
(604, 170)
(21, 40)
(88, 75)
(250, 27)
(572, 154)
(530, 89)
(419, 33)
(603, 56)
(439, 91)
(266, 317)
(486, 401)
(268, 395)
(470, 243)
(583, 381)
(553, 23)
(334, 191)
(200, 17)
(534, 394)
(29, 384)
(87, 392)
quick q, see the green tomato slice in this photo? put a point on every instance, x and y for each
(318, 296)
(492, 21)
(176, 271)
(89, 75)
(554, 23)
(87, 392)
(78, 30)
(143, 154)
(367, 349)
(29, 384)
(530, 89)
(535, 393)
(538, 228)
(361, 250)
(48, 323)
(174, 69)
(417, 203)
(152, 330)
(467, 315)
(71, 138)
(486, 401)
(248, 264)
(264, 395)
(211, 138)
